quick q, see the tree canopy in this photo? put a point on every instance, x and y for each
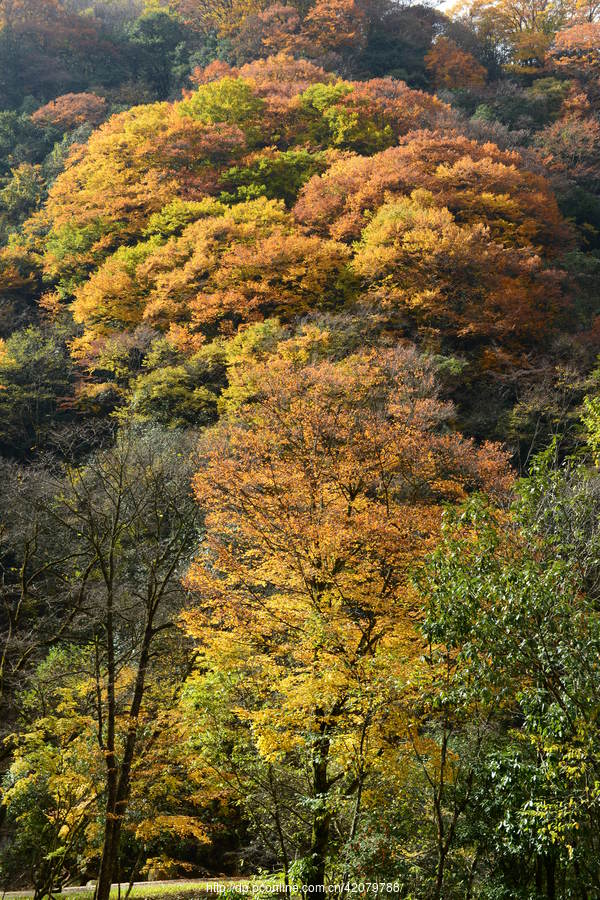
(299, 447)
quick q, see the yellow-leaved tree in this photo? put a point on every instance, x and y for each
(320, 493)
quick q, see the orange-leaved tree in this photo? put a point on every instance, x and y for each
(319, 496)
(231, 266)
(71, 110)
(453, 284)
(456, 241)
(142, 159)
(131, 167)
(452, 67)
(477, 182)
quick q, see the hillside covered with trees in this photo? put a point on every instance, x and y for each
(299, 445)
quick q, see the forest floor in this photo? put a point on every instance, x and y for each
(147, 890)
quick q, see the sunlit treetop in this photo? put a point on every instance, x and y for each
(71, 110)
(143, 158)
(478, 182)
(277, 190)
(523, 32)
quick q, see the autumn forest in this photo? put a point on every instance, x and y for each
(300, 447)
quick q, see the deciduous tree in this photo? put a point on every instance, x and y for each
(318, 499)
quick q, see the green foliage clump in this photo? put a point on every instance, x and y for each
(36, 383)
(229, 100)
(179, 395)
(174, 217)
(278, 176)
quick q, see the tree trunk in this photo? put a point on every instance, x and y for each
(438, 795)
(439, 875)
(110, 845)
(550, 866)
(110, 855)
(119, 777)
(538, 876)
(319, 842)
(359, 789)
(280, 834)
(583, 894)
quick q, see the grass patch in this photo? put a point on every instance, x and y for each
(173, 890)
